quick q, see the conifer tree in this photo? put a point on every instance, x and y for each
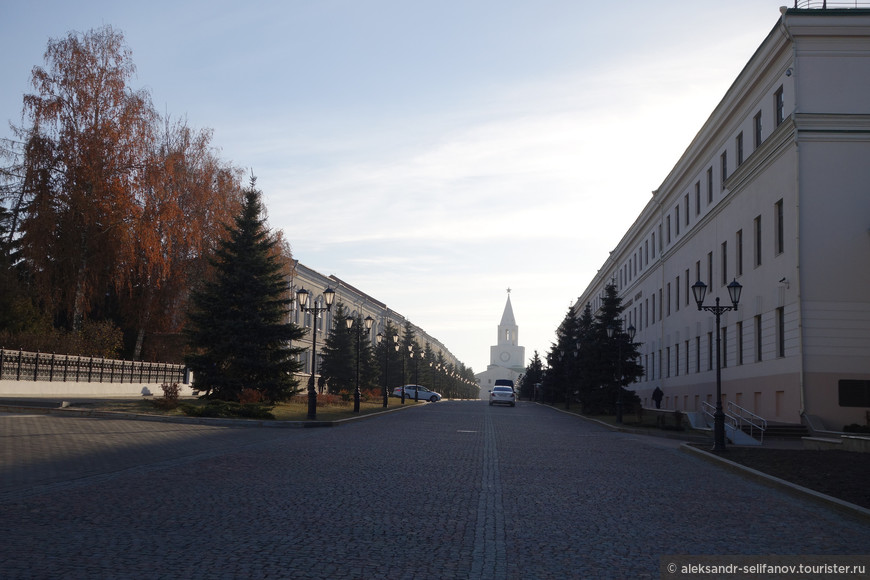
(239, 329)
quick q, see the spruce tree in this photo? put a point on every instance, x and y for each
(239, 327)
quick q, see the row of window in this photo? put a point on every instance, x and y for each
(680, 214)
(665, 301)
(685, 357)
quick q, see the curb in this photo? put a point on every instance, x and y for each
(787, 486)
(214, 421)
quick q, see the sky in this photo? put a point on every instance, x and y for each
(432, 153)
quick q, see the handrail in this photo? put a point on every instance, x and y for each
(826, 4)
(748, 417)
(20, 365)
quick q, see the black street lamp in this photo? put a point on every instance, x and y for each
(368, 322)
(611, 332)
(396, 341)
(416, 376)
(380, 338)
(315, 309)
(699, 289)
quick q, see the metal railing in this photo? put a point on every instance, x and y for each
(826, 4)
(747, 417)
(19, 365)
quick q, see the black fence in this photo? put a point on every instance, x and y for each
(18, 365)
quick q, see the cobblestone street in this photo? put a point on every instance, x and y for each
(446, 490)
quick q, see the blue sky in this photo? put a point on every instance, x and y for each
(432, 153)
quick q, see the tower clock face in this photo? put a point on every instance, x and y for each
(504, 356)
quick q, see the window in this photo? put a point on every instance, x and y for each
(646, 252)
(697, 354)
(854, 393)
(677, 359)
(687, 356)
(757, 228)
(758, 349)
(660, 304)
(653, 313)
(677, 218)
(686, 207)
(668, 228)
(710, 270)
(669, 299)
(739, 251)
(780, 233)
(709, 351)
(738, 143)
(778, 106)
(688, 290)
(653, 245)
(668, 361)
(780, 332)
(677, 288)
(724, 263)
(709, 185)
(724, 166)
(697, 198)
(739, 343)
(757, 131)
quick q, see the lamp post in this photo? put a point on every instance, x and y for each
(315, 309)
(396, 341)
(699, 289)
(380, 339)
(611, 332)
(416, 389)
(368, 322)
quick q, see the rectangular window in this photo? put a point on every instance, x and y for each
(739, 343)
(697, 354)
(646, 252)
(724, 162)
(709, 270)
(738, 143)
(677, 219)
(709, 351)
(686, 208)
(739, 250)
(677, 359)
(646, 320)
(854, 393)
(780, 332)
(677, 289)
(780, 228)
(757, 227)
(697, 198)
(698, 270)
(660, 304)
(668, 228)
(724, 263)
(757, 131)
(687, 356)
(653, 245)
(709, 185)
(669, 299)
(668, 361)
(758, 348)
(779, 106)
(688, 291)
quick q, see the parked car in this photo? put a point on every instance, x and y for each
(423, 393)
(503, 395)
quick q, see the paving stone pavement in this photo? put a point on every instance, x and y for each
(448, 490)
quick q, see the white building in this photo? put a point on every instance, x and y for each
(774, 191)
(506, 357)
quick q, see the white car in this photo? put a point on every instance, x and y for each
(503, 396)
(423, 394)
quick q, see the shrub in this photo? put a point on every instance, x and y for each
(227, 410)
(170, 397)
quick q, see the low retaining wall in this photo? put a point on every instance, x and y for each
(70, 389)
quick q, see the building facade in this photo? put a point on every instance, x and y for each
(774, 192)
(356, 302)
